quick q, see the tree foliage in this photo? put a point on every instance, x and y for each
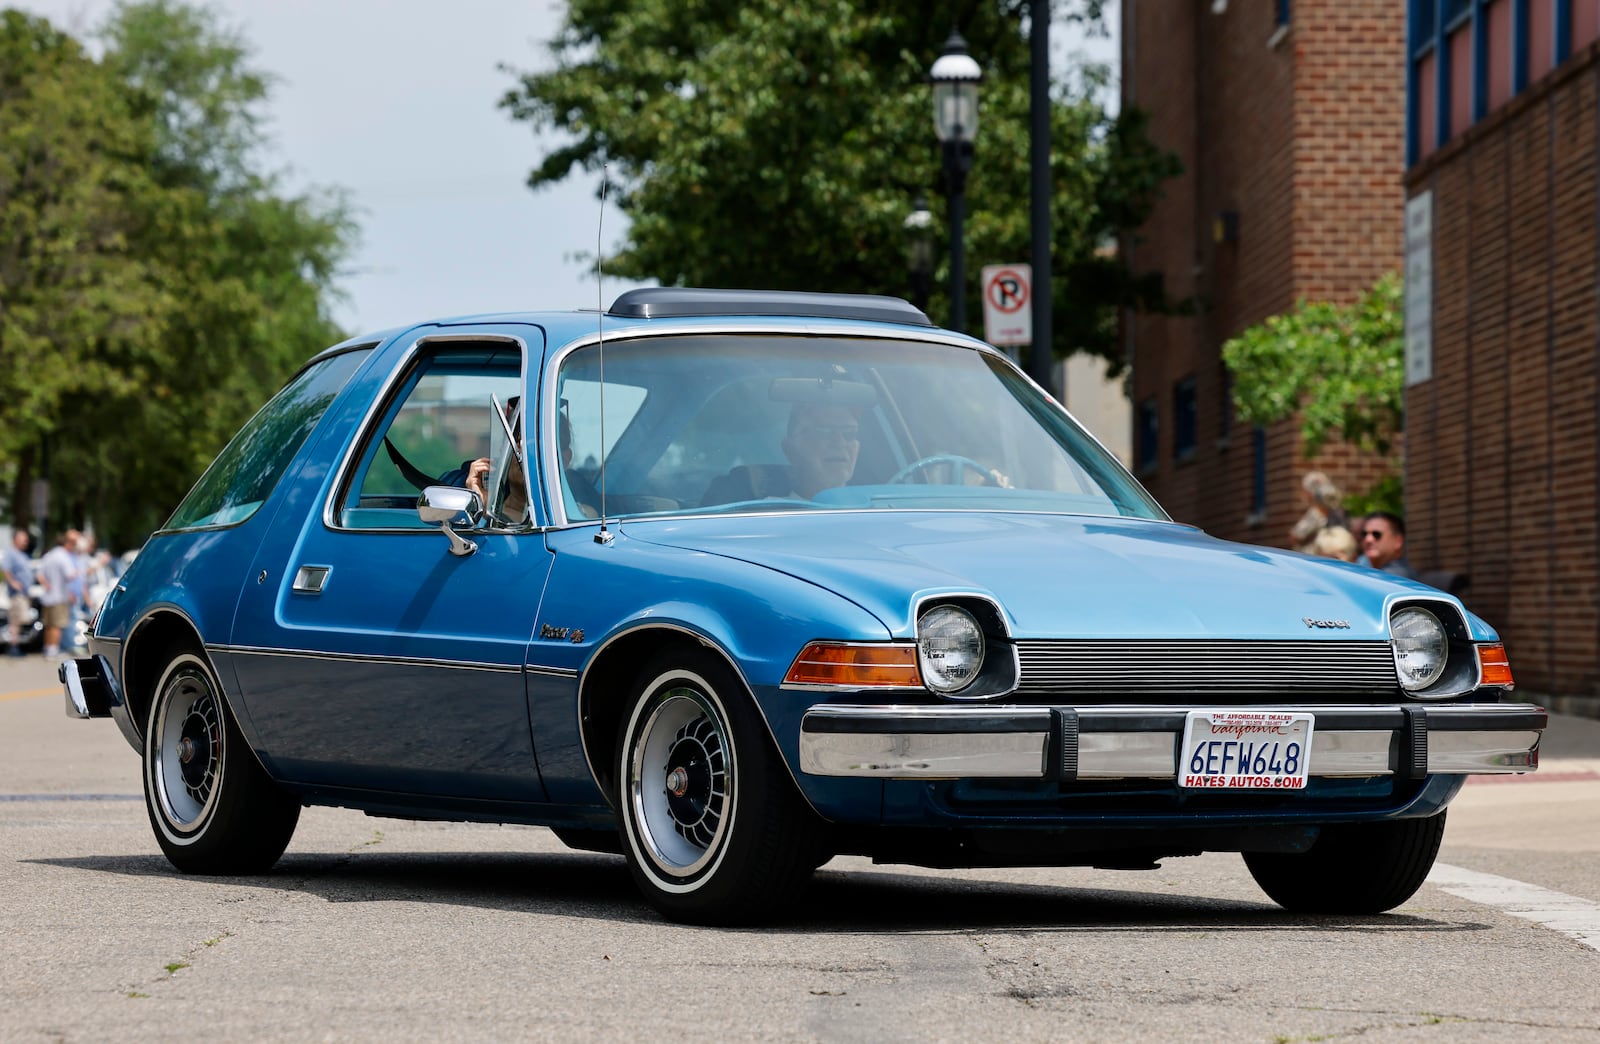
(156, 284)
(1339, 368)
(75, 298)
(768, 144)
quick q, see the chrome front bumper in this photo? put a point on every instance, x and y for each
(1116, 742)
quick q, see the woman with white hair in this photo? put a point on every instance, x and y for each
(1323, 509)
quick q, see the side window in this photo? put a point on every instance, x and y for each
(248, 469)
(442, 429)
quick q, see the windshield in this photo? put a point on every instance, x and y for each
(782, 423)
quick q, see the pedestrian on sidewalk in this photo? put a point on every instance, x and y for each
(57, 571)
(18, 568)
(1335, 542)
(1383, 541)
(1323, 509)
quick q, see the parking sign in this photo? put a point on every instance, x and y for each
(1007, 296)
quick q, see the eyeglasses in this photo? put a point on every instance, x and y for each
(1373, 534)
(847, 432)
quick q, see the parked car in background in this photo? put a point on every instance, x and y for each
(19, 566)
(732, 582)
(98, 580)
(32, 632)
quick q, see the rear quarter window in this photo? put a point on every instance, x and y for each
(248, 469)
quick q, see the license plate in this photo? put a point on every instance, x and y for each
(1245, 750)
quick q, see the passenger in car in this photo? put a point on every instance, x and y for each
(514, 504)
(821, 445)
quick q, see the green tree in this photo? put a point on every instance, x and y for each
(1339, 368)
(215, 286)
(77, 301)
(192, 78)
(779, 145)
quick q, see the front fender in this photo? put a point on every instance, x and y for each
(600, 595)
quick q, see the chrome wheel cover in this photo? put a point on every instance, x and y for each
(187, 754)
(681, 782)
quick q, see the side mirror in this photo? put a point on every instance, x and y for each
(447, 507)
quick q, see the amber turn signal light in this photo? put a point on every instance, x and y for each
(1494, 666)
(852, 666)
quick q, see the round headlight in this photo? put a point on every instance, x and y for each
(1420, 647)
(949, 648)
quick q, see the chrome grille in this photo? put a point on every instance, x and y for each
(1202, 668)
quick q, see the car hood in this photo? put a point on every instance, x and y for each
(1056, 575)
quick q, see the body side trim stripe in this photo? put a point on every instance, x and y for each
(552, 672)
(407, 661)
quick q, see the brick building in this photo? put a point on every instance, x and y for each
(1502, 473)
(1289, 120)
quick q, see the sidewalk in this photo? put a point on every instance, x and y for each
(1570, 750)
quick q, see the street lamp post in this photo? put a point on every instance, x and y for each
(1042, 355)
(955, 77)
(919, 250)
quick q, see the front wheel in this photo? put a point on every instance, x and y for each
(212, 806)
(713, 829)
(1352, 868)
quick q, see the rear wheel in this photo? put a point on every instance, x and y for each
(213, 808)
(1353, 868)
(713, 828)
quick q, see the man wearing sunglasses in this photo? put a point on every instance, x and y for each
(1383, 542)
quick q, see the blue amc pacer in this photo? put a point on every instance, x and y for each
(732, 582)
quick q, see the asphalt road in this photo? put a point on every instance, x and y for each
(383, 929)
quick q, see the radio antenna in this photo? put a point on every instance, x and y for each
(605, 536)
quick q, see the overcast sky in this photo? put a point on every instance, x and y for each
(395, 101)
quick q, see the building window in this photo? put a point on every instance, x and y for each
(1258, 493)
(1225, 408)
(1467, 58)
(1280, 23)
(1422, 12)
(1149, 429)
(1183, 419)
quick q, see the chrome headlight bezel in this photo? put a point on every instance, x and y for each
(943, 631)
(1421, 647)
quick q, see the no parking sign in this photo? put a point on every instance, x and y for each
(1007, 294)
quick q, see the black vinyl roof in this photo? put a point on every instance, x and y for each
(663, 302)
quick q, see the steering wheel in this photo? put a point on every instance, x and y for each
(944, 458)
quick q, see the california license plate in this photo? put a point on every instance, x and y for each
(1245, 750)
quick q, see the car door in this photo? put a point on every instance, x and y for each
(370, 656)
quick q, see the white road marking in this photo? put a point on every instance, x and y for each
(1573, 917)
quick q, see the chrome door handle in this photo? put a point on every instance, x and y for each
(310, 579)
